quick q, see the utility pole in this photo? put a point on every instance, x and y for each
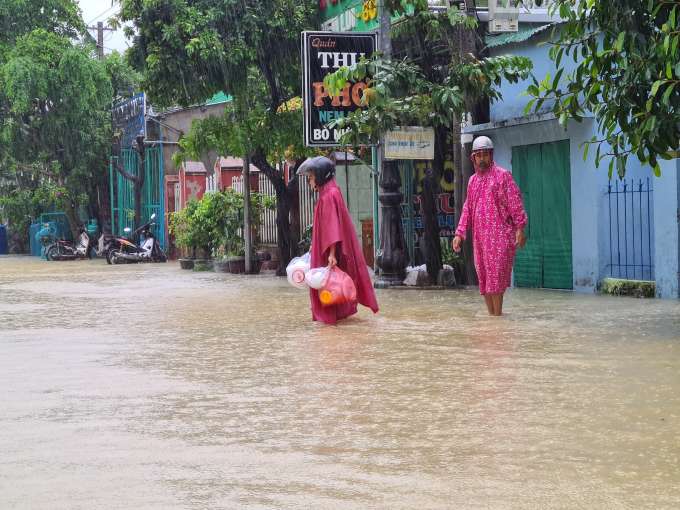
(385, 45)
(100, 38)
(247, 230)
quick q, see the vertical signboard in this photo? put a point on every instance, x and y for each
(127, 118)
(324, 53)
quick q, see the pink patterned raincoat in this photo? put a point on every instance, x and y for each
(495, 211)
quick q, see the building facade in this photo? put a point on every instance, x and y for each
(583, 226)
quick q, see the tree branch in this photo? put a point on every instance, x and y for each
(119, 168)
(260, 161)
(29, 168)
(271, 80)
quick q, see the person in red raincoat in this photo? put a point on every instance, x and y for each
(335, 242)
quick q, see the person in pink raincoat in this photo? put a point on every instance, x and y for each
(495, 212)
(335, 242)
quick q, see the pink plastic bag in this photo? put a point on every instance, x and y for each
(339, 288)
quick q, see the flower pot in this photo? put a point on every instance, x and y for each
(272, 264)
(255, 264)
(186, 264)
(237, 265)
(221, 266)
(264, 255)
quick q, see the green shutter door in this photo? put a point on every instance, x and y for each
(543, 176)
(526, 170)
(557, 261)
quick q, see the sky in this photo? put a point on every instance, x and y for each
(101, 10)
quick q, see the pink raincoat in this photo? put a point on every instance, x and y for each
(495, 211)
(333, 224)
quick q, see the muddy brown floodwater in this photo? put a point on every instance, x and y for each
(144, 386)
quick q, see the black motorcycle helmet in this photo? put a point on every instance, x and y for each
(321, 167)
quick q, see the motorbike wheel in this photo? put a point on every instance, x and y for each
(160, 255)
(108, 256)
(113, 255)
(52, 250)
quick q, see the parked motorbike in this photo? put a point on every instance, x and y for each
(109, 242)
(149, 251)
(63, 250)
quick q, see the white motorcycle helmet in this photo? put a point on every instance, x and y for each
(482, 143)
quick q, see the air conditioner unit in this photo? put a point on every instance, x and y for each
(503, 16)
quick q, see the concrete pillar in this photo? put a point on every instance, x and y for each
(667, 229)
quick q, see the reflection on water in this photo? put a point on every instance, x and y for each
(143, 386)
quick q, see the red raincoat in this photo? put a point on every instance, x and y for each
(333, 224)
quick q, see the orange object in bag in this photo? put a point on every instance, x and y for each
(339, 288)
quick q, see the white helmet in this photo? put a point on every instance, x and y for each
(482, 143)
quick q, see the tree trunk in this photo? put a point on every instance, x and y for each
(139, 183)
(286, 248)
(431, 182)
(72, 216)
(284, 239)
(430, 185)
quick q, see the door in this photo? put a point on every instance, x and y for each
(367, 242)
(543, 175)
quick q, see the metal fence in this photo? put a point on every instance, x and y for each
(266, 231)
(630, 230)
(268, 227)
(122, 193)
(308, 199)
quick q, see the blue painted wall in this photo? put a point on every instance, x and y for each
(591, 248)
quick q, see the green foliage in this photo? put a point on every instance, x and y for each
(306, 242)
(55, 117)
(400, 95)
(627, 74)
(20, 206)
(214, 224)
(20, 17)
(450, 257)
(122, 76)
(237, 132)
(191, 49)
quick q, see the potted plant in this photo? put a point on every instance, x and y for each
(213, 226)
(234, 228)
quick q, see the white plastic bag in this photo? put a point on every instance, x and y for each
(317, 277)
(296, 271)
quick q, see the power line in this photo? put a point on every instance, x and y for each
(107, 10)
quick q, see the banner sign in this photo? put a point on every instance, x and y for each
(324, 53)
(410, 143)
(127, 118)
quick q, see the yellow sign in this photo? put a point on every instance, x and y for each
(369, 11)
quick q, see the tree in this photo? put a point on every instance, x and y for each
(19, 17)
(54, 102)
(627, 74)
(190, 50)
(403, 93)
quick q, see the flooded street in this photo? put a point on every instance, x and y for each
(144, 386)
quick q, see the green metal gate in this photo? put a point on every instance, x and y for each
(543, 175)
(122, 193)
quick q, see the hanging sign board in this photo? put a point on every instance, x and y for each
(127, 118)
(410, 143)
(324, 53)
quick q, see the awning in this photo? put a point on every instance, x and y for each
(517, 36)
